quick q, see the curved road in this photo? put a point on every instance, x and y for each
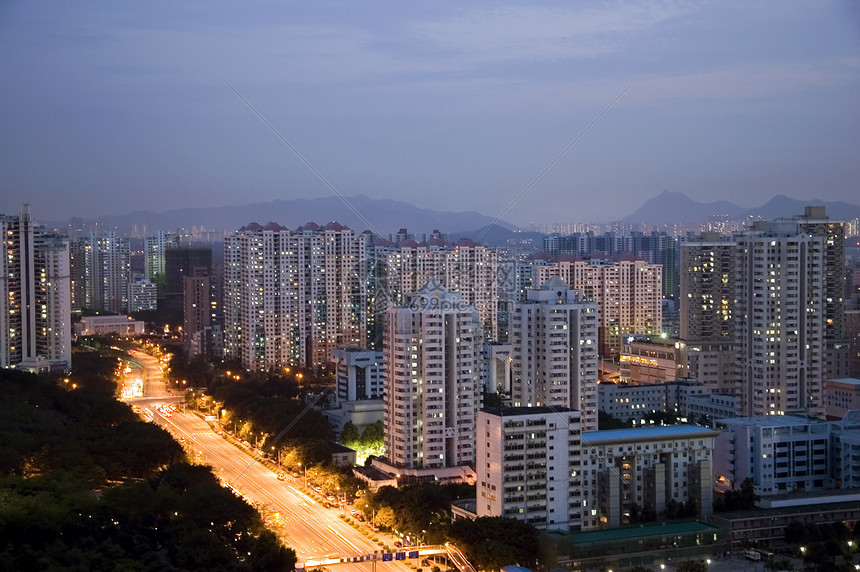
(316, 533)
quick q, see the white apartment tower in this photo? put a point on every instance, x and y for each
(35, 306)
(433, 390)
(290, 297)
(780, 318)
(554, 341)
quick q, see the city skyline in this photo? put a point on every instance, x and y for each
(110, 109)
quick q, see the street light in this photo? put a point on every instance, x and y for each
(278, 455)
(305, 470)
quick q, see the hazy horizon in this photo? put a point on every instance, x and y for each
(112, 108)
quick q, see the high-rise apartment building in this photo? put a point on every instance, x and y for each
(154, 247)
(814, 220)
(780, 318)
(142, 294)
(290, 297)
(433, 389)
(707, 311)
(197, 315)
(101, 272)
(554, 351)
(35, 306)
(627, 292)
(465, 266)
(771, 300)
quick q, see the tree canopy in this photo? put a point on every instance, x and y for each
(86, 485)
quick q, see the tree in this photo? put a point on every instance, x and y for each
(349, 435)
(691, 566)
(385, 518)
(492, 542)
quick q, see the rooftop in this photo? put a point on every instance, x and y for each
(767, 421)
(646, 434)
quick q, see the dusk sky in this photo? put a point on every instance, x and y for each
(111, 107)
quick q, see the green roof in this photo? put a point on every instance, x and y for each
(677, 528)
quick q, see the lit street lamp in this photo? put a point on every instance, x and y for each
(305, 470)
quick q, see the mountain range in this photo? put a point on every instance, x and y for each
(385, 216)
(382, 216)
(673, 207)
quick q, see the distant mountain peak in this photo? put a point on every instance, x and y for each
(670, 207)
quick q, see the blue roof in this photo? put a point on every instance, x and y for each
(513, 568)
(769, 421)
(649, 433)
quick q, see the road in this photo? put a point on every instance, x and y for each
(316, 533)
(313, 531)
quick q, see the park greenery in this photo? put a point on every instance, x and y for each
(86, 485)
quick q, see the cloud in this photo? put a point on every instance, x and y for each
(523, 33)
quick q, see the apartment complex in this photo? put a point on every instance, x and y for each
(154, 246)
(707, 311)
(100, 267)
(628, 293)
(290, 297)
(763, 313)
(779, 318)
(465, 266)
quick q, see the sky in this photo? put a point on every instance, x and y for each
(540, 111)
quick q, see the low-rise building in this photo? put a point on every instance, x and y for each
(652, 359)
(780, 453)
(358, 374)
(645, 466)
(98, 325)
(633, 402)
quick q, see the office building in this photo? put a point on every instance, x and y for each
(197, 316)
(841, 396)
(554, 351)
(780, 453)
(647, 360)
(179, 264)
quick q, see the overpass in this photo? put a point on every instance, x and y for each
(450, 551)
